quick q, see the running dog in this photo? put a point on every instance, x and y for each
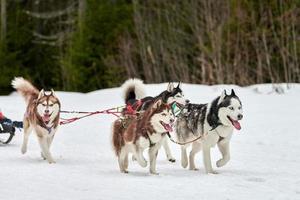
(136, 133)
(212, 123)
(134, 97)
(42, 115)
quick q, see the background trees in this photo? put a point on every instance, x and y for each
(83, 45)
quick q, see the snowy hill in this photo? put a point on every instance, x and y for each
(264, 163)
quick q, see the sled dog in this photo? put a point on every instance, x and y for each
(213, 123)
(134, 95)
(41, 116)
(136, 133)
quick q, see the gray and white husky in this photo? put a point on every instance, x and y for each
(134, 95)
(214, 124)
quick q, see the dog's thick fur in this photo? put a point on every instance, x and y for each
(136, 133)
(134, 92)
(214, 122)
(42, 115)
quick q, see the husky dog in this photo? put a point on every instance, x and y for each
(213, 123)
(137, 133)
(134, 96)
(42, 115)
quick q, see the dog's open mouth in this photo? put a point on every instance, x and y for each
(46, 118)
(167, 127)
(235, 123)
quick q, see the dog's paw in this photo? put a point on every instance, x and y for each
(194, 169)
(125, 171)
(133, 158)
(212, 172)
(42, 155)
(172, 160)
(221, 162)
(143, 163)
(184, 163)
(51, 161)
(23, 150)
(154, 173)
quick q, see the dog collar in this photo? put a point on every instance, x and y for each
(175, 109)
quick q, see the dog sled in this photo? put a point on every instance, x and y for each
(8, 129)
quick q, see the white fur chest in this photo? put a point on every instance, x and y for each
(155, 137)
(224, 131)
(210, 139)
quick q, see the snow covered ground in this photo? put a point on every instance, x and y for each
(265, 161)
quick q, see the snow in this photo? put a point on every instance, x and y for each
(264, 154)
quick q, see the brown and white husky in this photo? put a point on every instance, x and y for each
(136, 133)
(42, 115)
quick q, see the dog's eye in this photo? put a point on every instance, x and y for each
(178, 95)
(231, 108)
(164, 114)
(44, 104)
(51, 105)
(240, 107)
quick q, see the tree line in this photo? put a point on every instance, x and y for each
(84, 45)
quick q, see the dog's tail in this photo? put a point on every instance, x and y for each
(25, 88)
(117, 138)
(133, 89)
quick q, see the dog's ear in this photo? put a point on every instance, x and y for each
(170, 87)
(179, 85)
(232, 93)
(222, 97)
(157, 104)
(164, 98)
(41, 94)
(52, 92)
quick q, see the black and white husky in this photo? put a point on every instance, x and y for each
(213, 123)
(134, 96)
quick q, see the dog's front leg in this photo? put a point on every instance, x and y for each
(138, 155)
(167, 150)
(224, 149)
(45, 149)
(153, 151)
(207, 161)
(49, 141)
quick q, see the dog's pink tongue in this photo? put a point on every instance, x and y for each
(46, 118)
(236, 124)
(169, 128)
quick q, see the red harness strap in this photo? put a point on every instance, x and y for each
(131, 109)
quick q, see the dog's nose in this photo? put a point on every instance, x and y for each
(187, 101)
(172, 120)
(240, 116)
(46, 111)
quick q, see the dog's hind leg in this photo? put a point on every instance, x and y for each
(45, 149)
(27, 131)
(121, 159)
(196, 147)
(224, 149)
(167, 150)
(126, 163)
(184, 158)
